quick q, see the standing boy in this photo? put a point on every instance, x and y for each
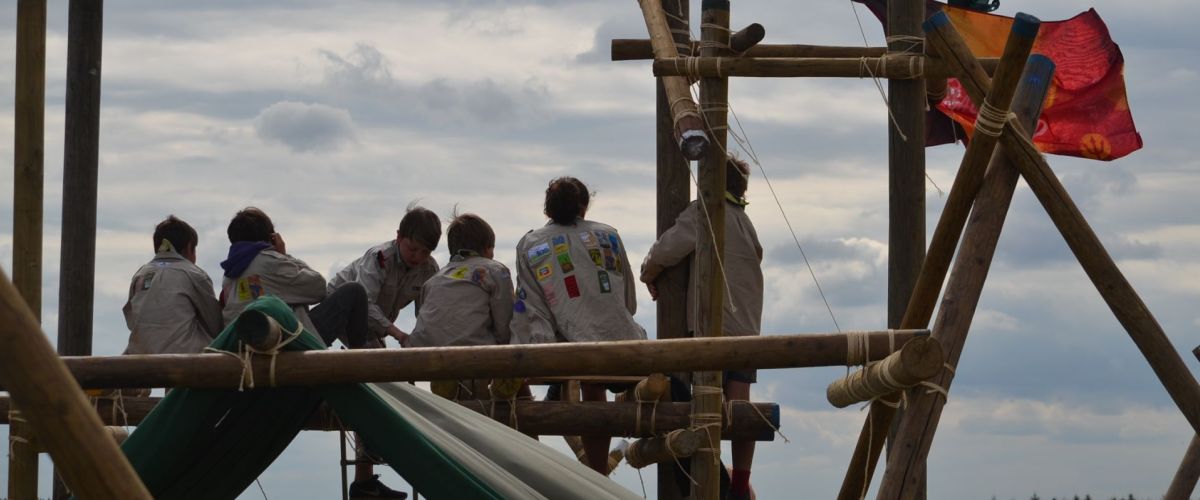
(171, 307)
(743, 272)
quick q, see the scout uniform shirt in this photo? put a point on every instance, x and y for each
(743, 271)
(468, 302)
(574, 285)
(389, 282)
(171, 307)
(281, 275)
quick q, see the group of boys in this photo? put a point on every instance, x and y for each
(470, 301)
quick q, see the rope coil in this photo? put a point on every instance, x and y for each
(991, 119)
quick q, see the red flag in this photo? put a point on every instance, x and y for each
(1086, 112)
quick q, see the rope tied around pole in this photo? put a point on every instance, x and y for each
(13, 439)
(991, 119)
(246, 353)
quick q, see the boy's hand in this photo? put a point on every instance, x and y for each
(398, 334)
(277, 242)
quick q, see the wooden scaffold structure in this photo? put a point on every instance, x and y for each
(909, 362)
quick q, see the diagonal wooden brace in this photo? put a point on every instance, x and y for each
(689, 127)
(942, 35)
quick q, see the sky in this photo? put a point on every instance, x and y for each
(333, 117)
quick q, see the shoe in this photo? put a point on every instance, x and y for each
(373, 488)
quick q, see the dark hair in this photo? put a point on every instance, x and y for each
(469, 232)
(737, 176)
(422, 226)
(181, 235)
(566, 200)
(250, 224)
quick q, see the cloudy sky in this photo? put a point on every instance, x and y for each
(333, 117)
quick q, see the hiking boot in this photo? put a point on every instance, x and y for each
(372, 488)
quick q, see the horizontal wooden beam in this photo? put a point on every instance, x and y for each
(640, 50)
(639, 357)
(900, 67)
(546, 418)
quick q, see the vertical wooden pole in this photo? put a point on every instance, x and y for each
(906, 461)
(28, 168)
(81, 148)
(706, 386)
(674, 193)
(906, 162)
(52, 402)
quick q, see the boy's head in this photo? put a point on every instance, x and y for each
(567, 199)
(250, 224)
(418, 235)
(471, 232)
(179, 234)
(737, 176)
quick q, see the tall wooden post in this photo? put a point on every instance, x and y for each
(906, 462)
(906, 161)
(28, 168)
(706, 386)
(674, 194)
(81, 149)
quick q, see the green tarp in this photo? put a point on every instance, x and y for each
(213, 444)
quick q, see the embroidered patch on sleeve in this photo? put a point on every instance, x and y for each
(597, 258)
(605, 284)
(548, 291)
(544, 272)
(478, 276)
(560, 244)
(256, 288)
(616, 244)
(459, 273)
(610, 262)
(148, 280)
(538, 253)
(243, 290)
(603, 237)
(572, 286)
(587, 239)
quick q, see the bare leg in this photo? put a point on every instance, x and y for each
(362, 471)
(596, 447)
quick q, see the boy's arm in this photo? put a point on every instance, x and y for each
(127, 310)
(293, 281)
(370, 274)
(673, 246)
(502, 306)
(532, 321)
(205, 303)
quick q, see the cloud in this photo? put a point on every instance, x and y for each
(305, 128)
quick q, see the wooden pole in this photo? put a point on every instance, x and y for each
(640, 50)
(747, 38)
(919, 308)
(1116, 291)
(636, 357)
(677, 444)
(906, 462)
(81, 149)
(891, 66)
(918, 360)
(28, 185)
(673, 183)
(906, 159)
(547, 418)
(1185, 478)
(706, 386)
(688, 126)
(53, 404)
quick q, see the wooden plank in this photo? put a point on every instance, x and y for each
(906, 461)
(54, 406)
(636, 357)
(547, 418)
(706, 385)
(639, 49)
(892, 66)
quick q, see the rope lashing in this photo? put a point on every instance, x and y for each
(246, 353)
(991, 119)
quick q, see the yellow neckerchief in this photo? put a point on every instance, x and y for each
(736, 200)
